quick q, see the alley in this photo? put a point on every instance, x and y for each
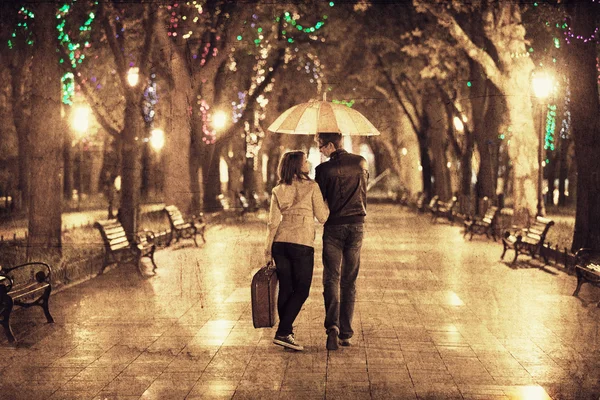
(437, 317)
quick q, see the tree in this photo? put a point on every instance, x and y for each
(510, 73)
(46, 134)
(583, 78)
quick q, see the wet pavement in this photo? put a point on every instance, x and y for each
(437, 317)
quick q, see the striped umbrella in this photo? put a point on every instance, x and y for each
(322, 116)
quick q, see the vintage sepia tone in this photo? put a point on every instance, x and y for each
(140, 149)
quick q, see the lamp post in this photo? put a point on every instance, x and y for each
(80, 124)
(543, 85)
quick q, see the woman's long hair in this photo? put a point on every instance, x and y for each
(290, 167)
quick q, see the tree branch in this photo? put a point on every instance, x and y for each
(463, 40)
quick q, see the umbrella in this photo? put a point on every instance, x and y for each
(322, 116)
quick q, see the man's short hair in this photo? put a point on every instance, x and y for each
(330, 137)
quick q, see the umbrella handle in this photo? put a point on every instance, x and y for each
(325, 95)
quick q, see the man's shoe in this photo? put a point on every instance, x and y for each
(332, 340)
(288, 341)
(345, 342)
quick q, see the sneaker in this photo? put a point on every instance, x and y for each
(288, 341)
(345, 342)
(332, 340)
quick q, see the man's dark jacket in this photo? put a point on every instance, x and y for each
(343, 182)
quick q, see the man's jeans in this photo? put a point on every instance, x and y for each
(341, 262)
(295, 264)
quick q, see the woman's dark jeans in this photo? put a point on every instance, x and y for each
(295, 264)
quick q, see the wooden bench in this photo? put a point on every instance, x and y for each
(587, 269)
(433, 203)
(420, 202)
(247, 204)
(182, 228)
(482, 226)
(528, 240)
(24, 285)
(119, 250)
(444, 209)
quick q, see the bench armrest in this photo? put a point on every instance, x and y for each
(145, 235)
(42, 272)
(583, 255)
(198, 219)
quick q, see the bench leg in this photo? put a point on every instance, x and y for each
(516, 255)
(503, 251)
(194, 237)
(45, 305)
(7, 306)
(202, 233)
(580, 281)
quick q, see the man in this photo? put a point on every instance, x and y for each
(343, 182)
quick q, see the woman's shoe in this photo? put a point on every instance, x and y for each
(288, 341)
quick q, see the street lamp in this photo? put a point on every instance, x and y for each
(219, 120)
(133, 76)
(543, 86)
(80, 124)
(157, 139)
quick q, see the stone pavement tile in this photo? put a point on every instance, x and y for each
(273, 383)
(429, 377)
(419, 346)
(71, 395)
(128, 385)
(173, 344)
(394, 393)
(398, 377)
(435, 391)
(448, 339)
(256, 394)
(454, 351)
(301, 394)
(217, 395)
(152, 370)
(162, 389)
(526, 392)
(25, 393)
(299, 380)
(84, 386)
(114, 396)
(211, 384)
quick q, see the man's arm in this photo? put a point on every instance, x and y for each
(320, 179)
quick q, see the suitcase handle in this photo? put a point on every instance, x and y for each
(270, 266)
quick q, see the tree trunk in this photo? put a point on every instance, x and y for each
(178, 141)
(523, 148)
(426, 169)
(21, 121)
(46, 132)
(586, 127)
(563, 172)
(211, 177)
(131, 166)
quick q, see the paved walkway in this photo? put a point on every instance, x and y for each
(437, 317)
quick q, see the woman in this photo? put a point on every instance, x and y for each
(295, 202)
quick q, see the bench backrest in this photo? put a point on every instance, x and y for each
(175, 216)
(421, 200)
(113, 234)
(433, 201)
(490, 215)
(539, 228)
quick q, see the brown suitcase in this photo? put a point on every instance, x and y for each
(264, 297)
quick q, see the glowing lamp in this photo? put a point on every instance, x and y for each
(157, 139)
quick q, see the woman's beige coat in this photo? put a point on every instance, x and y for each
(293, 211)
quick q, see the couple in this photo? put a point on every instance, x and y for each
(296, 201)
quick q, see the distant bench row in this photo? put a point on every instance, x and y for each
(30, 284)
(527, 240)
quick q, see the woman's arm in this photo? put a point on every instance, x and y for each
(272, 224)
(320, 209)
